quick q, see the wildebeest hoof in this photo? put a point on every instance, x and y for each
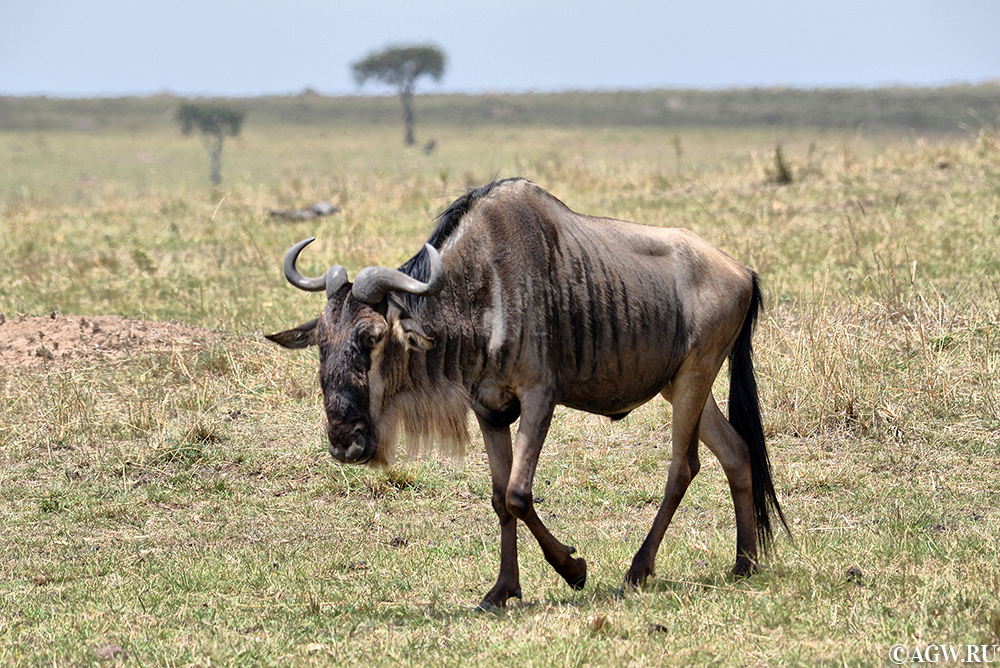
(635, 578)
(488, 606)
(627, 588)
(497, 598)
(744, 567)
(578, 580)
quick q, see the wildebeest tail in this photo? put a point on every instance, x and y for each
(744, 415)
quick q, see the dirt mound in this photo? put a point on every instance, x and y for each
(40, 341)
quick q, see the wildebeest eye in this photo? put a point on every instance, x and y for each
(369, 334)
(366, 340)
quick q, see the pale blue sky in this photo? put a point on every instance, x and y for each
(252, 47)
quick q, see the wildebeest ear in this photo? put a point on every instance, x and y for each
(413, 334)
(405, 328)
(298, 337)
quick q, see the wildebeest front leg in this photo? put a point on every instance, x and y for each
(536, 416)
(498, 449)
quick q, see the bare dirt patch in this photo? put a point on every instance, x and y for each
(28, 342)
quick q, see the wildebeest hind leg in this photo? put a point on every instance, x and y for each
(536, 416)
(734, 456)
(498, 449)
(684, 465)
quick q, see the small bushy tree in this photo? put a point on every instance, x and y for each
(401, 66)
(213, 124)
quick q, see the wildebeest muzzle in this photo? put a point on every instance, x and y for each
(351, 444)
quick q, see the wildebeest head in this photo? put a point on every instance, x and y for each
(364, 336)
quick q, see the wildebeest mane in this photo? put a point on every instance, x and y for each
(447, 222)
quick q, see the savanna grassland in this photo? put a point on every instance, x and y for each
(174, 504)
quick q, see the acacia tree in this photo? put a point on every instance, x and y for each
(401, 66)
(213, 124)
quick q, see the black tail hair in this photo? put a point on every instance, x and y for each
(744, 415)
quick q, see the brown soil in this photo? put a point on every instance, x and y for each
(49, 340)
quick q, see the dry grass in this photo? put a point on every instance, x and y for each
(182, 506)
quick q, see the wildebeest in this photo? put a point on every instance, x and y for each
(516, 304)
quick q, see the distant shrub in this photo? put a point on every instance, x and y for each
(213, 123)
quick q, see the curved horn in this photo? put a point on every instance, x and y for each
(332, 281)
(373, 283)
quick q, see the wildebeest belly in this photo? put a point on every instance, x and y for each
(614, 397)
(621, 356)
